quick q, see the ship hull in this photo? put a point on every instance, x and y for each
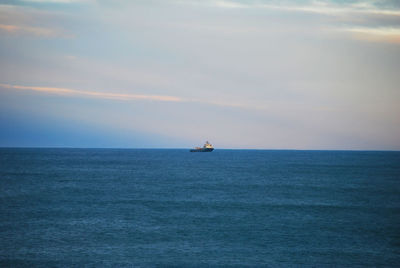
(202, 150)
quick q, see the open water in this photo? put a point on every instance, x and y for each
(156, 208)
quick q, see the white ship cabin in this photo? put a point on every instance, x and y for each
(207, 145)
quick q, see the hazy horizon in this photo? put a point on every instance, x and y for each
(184, 148)
(273, 75)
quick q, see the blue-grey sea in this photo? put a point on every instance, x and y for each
(157, 208)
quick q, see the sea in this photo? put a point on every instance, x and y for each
(172, 208)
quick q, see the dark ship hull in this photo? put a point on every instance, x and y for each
(201, 150)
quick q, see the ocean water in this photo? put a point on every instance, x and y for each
(156, 208)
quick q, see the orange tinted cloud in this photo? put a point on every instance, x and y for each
(126, 97)
(9, 28)
(387, 35)
(36, 31)
(95, 94)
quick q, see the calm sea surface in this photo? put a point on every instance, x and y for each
(146, 208)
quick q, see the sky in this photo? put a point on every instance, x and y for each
(255, 74)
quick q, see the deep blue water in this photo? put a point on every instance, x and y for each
(146, 208)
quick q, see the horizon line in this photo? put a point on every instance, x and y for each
(188, 148)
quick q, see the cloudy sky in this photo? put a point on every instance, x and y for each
(174, 73)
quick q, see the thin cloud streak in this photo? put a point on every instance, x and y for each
(127, 97)
(386, 35)
(95, 94)
(319, 7)
(57, 1)
(36, 31)
(30, 21)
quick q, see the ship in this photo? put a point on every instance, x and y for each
(207, 147)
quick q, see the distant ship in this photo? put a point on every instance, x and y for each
(206, 148)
